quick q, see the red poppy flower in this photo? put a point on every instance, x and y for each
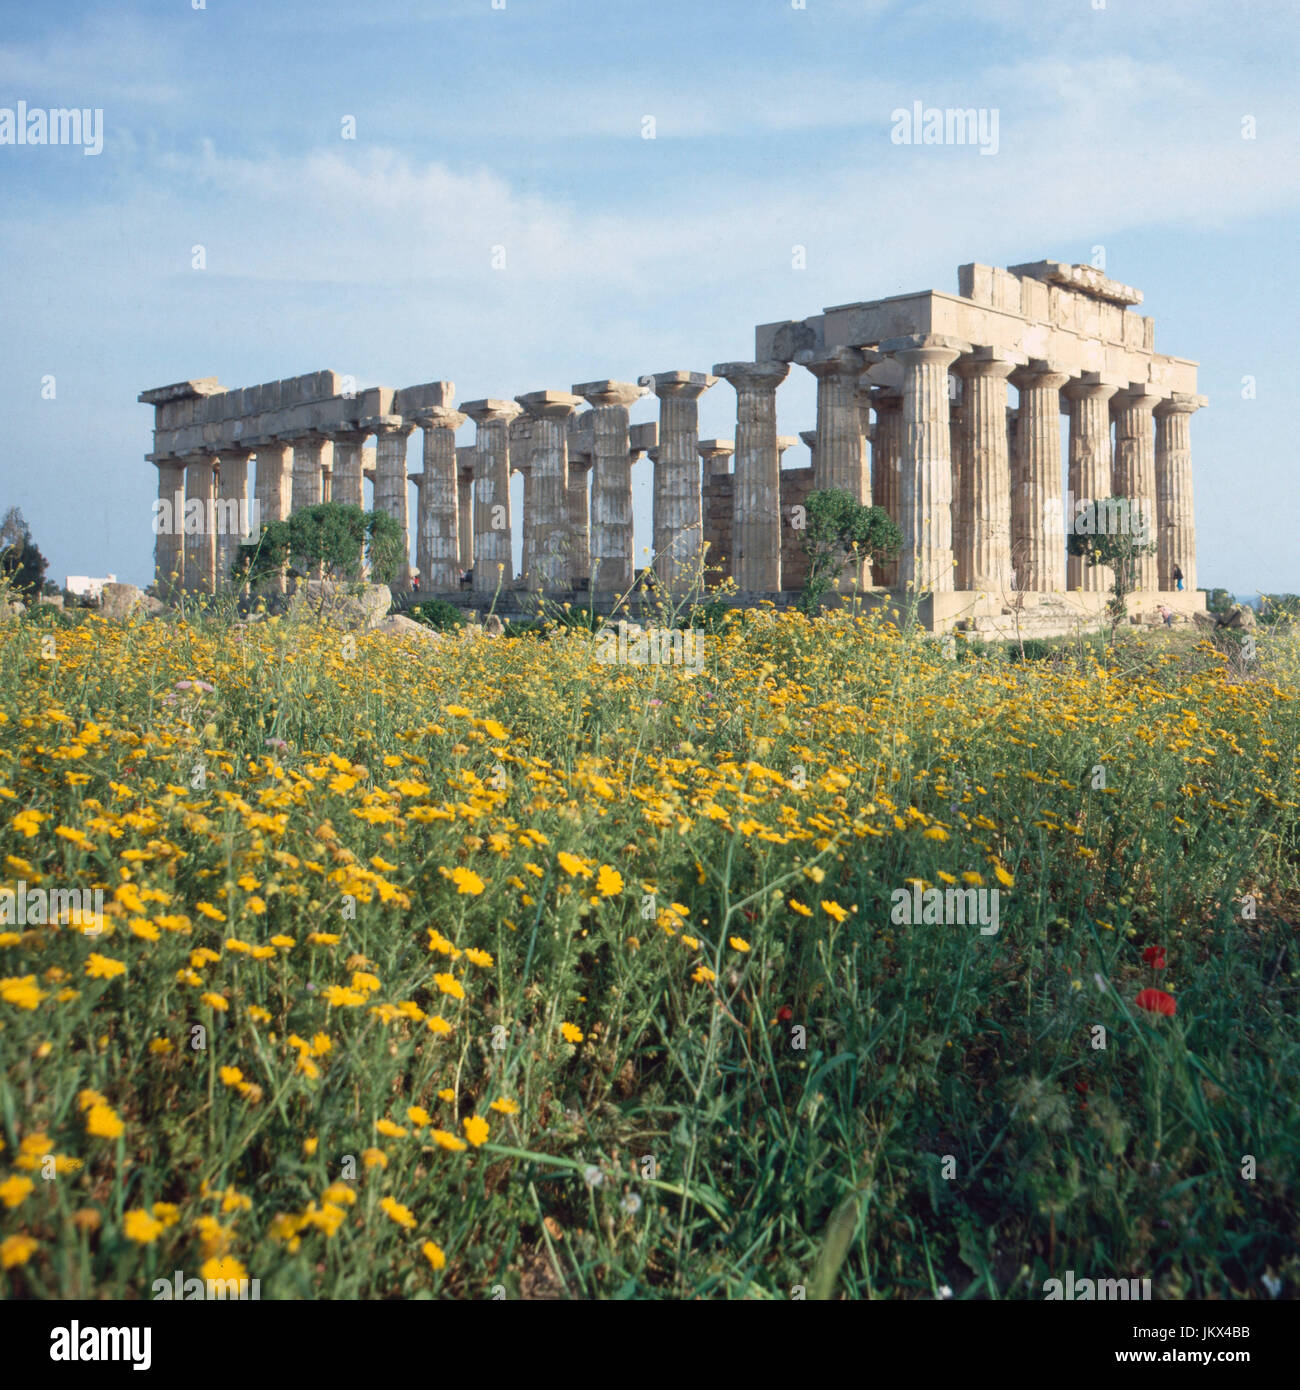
(1156, 1001)
(1154, 957)
(784, 1014)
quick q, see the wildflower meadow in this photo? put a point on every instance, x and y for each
(482, 967)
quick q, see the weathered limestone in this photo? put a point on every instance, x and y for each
(233, 518)
(961, 491)
(438, 523)
(757, 525)
(1037, 540)
(986, 561)
(549, 412)
(678, 509)
(579, 516)
(169, 542)
(715, 456)
(1175, 519)
(612, 556)
(521, 455)
(1135, 465)
(391, 433)
(493, 562)
(887, 469)
(307, 471)
(1090, 467)
(200, 542)
(840, 461)
(465, 503)
(346, 484)
(926, 561)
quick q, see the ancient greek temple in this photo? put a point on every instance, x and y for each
(913, 415)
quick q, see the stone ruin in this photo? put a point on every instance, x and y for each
(912, 416)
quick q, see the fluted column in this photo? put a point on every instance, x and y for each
(345, 476)
(307, 488)
(521, 462)
(391, 433)
(235, 519)
(465, 503)
(1135, 467)
(612, 561)
(926, 562)
(169, 528)
(549, 412)
(678, 508)
(1175, 518)
(579, 518)
(1037, 540)
(840, 460)
(986, 475)
(438, 522)
(493, 561)
(756, 528)
(200, 540)
(1090, 469)
(887, 469)
(961, 494)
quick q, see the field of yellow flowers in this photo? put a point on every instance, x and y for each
(484, 969)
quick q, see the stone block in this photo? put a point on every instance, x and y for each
(431, 395)
(1006, 292)
(975, 282)
(1134, 336)
(1034, 300)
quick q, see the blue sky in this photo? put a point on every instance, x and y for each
(1119, 127)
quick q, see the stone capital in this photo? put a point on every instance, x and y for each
(933, 349)
(838, 361)
(439, 417)
(1139, 396)
(690, 385)
(387, 424)
(345, 434)
(987, 362)
(1090, 386)
(490, 411)
(549, 405)
(886, 400)
(598, 393)
(753, 376)
(1180, 403)
(809, 437)
(715, 448)
(1039, 374)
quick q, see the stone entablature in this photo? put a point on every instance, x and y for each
(975, 484)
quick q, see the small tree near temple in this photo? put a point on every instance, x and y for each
(842, 532)
(332, 539)
(1119, 546)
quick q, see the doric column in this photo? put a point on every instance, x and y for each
(887, 469)
(756, 529)
(1037, 540)
(345, 480)
(493, 561)
(612, 560)
(438, 521)
(1175, 519)
(234, 519)
(809, 437)
(169, 528)
(200, 540)
(521, 462)
(840, 462)
(579, 518)
(273, 486)
(715, 456)
(678, 506)
(307, 489)
(549, 412)
(926, 503)
(465, 503)
(1135, 466)
(391, 433)
(986, 475)
(1089, 470)
(961, 493)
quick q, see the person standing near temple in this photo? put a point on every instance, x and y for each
(1178, 579)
